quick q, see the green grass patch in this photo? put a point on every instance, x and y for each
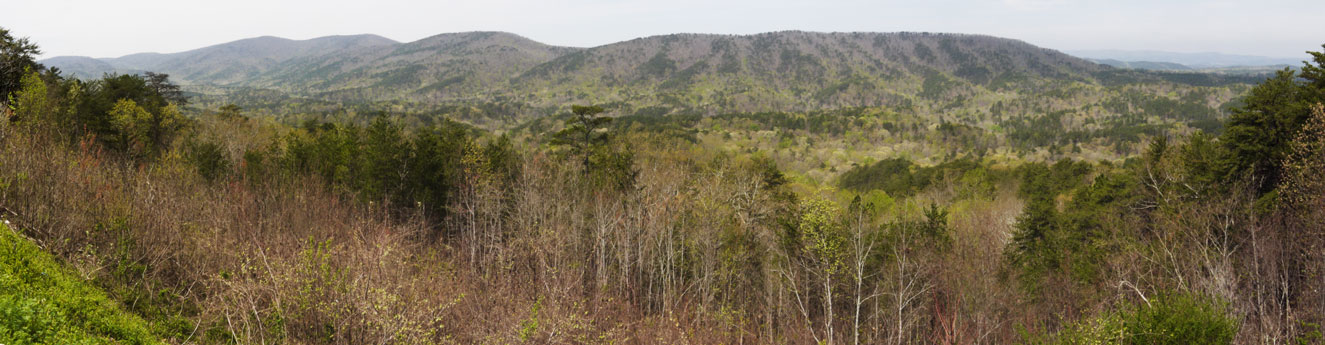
(42, 302)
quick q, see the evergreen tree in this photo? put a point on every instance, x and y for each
(17, 59)
(383, 157)
(1258, 133)
(582, 135)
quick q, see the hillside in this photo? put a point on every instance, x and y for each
(499, 80)
(780, 188)
(42, 302)
(711, 73)
(84, 67)
(223, 63)
(446, 66)
(797, 70)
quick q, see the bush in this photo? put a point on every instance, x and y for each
(210, 160)
(1173, 318)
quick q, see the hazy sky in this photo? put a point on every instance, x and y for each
(110, 28)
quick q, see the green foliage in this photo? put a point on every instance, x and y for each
(1171, 318)
(1040, 180)
(899, 177)
(434, 166)
(615, 169)
(230, 111)
(1200, 159)
(529, 326)
(936, 86)
(583, 134)
(1032, 252)
(586, 136)
(17, 59)
(44, 303)
(1072, 240)
(30, 102)
(712, 222)
(321, 279)
(658, 66)
(1257, 134)
(129, 114)
(893, 176)
(130, 123)
(1302, 184)
(822, 234)
(383, 163)
(1310, 335)
(160, 85)
(102, 95)
(935, 225)
(209, 159)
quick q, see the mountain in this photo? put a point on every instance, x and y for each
(1193, 60)
(498, 79)
(770, 71)
(249, 58)
(1145, 65)
(221, 64)
(82, 66)
(445, 66)
(796, 70)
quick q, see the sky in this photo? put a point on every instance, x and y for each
(102, 28)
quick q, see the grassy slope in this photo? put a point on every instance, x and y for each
(42, 302)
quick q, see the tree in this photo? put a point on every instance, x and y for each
(209, 159)
(582, 135)
(864, 244)
(1258, 132)
(140, 132)
(435, 168)
(823, 242)
(1303, 200)
(1031, 252)
(129, 121)
(102, 95)
(30, 101)
(230, 111)
(161, 85)
(383, 158)
(17, 59)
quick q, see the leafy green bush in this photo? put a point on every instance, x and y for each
(1173, 318)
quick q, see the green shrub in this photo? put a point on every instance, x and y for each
(1173, 318)
(210, 160)
(1181, 319)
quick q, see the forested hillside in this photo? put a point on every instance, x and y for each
(958, 190)
(497, 80)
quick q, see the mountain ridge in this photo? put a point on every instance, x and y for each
(1194, 60)
(500, 74)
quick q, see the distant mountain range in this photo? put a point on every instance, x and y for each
(1146, 65)
(1149, 59)
(228, 63)
(778, 71)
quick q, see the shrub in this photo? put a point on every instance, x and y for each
(209, 159)
(1172, 318)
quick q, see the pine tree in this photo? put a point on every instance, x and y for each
(582, 135)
